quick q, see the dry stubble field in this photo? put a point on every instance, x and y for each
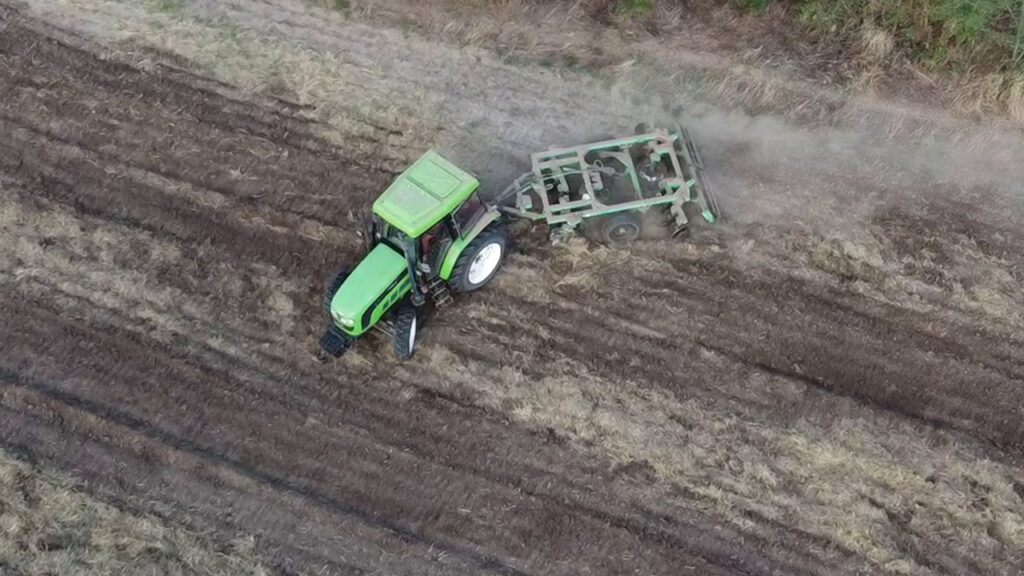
(830, 383)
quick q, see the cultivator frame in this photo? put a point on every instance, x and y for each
(570, 186)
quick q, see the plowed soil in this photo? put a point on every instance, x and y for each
(760, 399)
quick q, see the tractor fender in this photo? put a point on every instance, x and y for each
(460, 243)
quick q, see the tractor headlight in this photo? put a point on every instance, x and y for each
(343, 321)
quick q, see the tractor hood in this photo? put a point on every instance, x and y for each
(358, 303)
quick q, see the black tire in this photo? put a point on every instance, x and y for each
(620, 228)
(460, 281)
(405, 331)
(369, 232)
(333, 288)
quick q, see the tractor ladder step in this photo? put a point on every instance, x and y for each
(439, 293)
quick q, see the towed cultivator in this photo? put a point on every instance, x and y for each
(432, 234)
(606, 186)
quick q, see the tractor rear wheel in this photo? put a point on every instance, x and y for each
(479, 261)
(334, 286)
(405, 331)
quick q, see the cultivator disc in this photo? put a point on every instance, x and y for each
(701, 194)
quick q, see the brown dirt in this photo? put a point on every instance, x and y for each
(167, 243)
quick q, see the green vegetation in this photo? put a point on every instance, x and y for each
(633, 8)
(958, 34)
(977, 44)
(954, 35)
(169, 6)
(755, 4)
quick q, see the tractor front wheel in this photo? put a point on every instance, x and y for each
(334, 286)
(479, 261)
(405, 331)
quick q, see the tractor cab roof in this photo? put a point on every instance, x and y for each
(425, 193)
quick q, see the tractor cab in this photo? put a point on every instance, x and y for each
(430, 206)
(425, 194)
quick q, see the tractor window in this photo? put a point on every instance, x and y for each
(434, 244)
(467, 214)
(392, 237)
(431, 237)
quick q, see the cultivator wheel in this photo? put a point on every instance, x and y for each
(617, 229)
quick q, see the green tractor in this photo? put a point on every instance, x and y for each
(432, 234)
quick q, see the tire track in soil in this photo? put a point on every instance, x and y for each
(642, 524)
(602, 348)
(173, 412)
(965, 379)
(879, 356)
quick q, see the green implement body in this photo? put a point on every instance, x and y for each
(424, 194)
(370, 290)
